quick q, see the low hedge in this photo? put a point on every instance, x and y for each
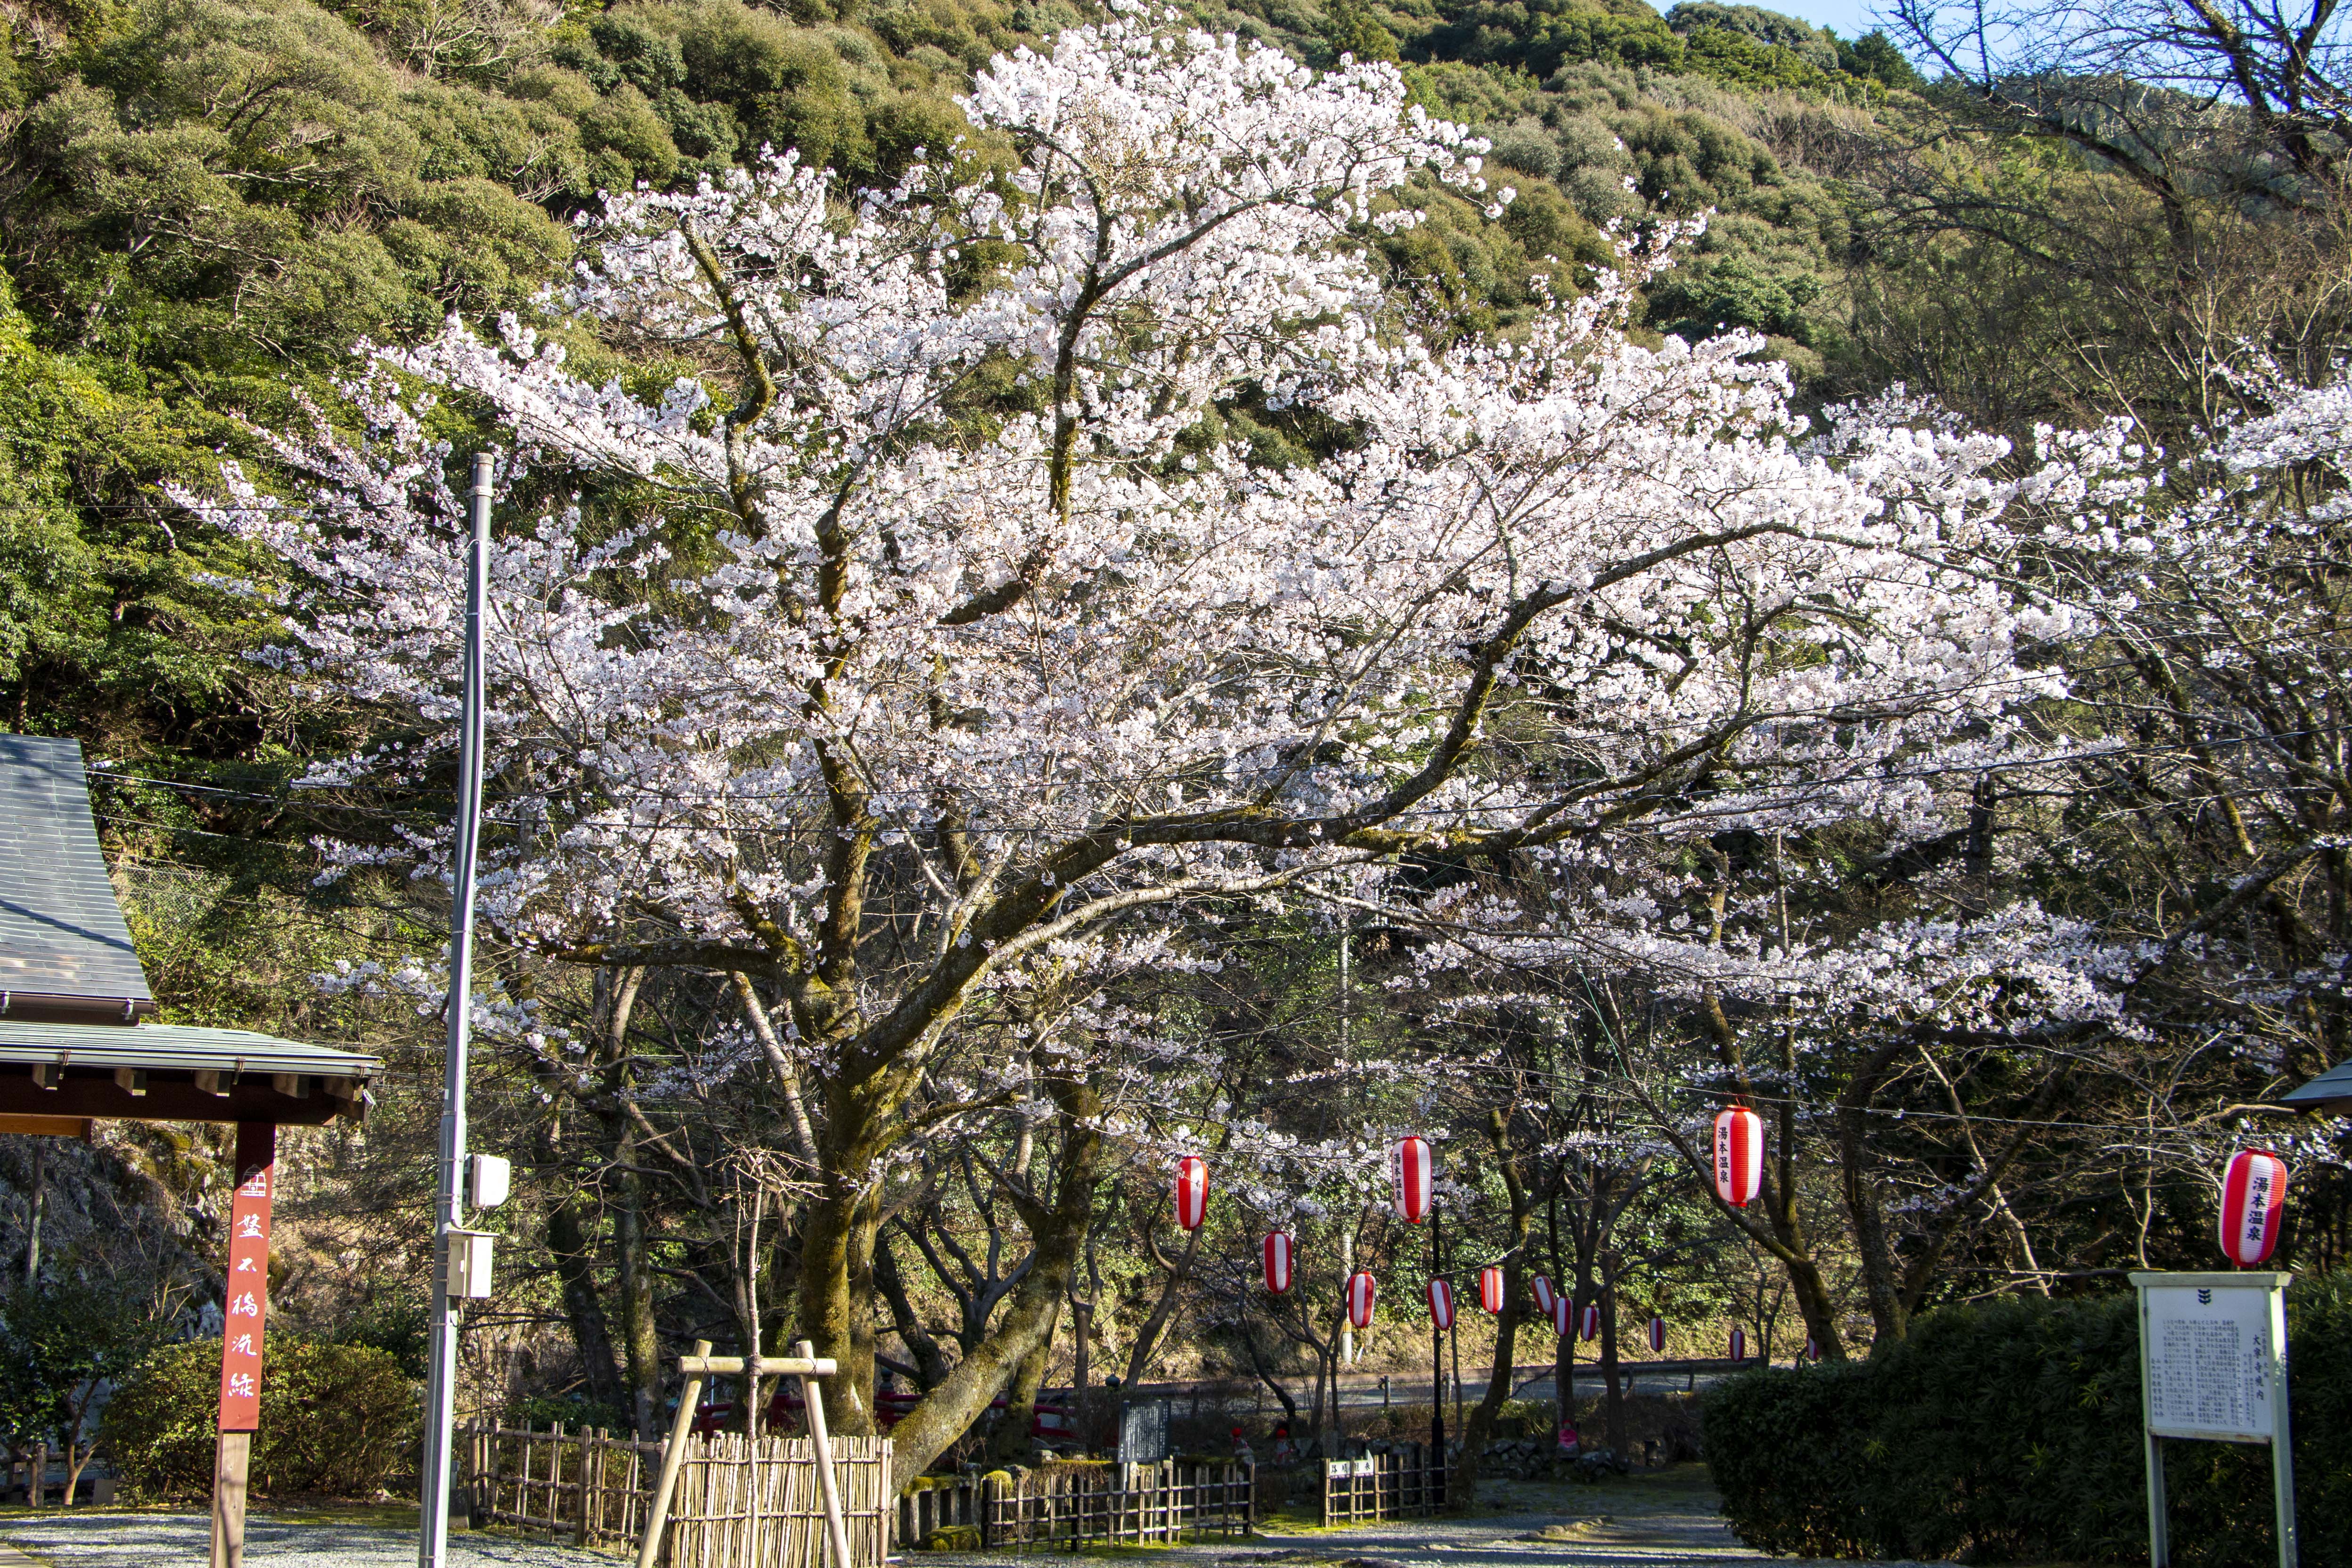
(335, 1420)
(2011, 1432)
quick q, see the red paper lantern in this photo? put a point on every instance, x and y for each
(1413, 1170)
(1657, 1336)
(1490, 1288)
(2253, 1200)
(1812, 1348)
(1739, 1344)
(1564, 1322)
(1543, 1295)
(1592, 1324)
(1441, 1304)
(1361, 1290)
(1277, 1262)
(1192, 1191)
(1738, 1155)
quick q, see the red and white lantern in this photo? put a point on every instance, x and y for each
(1564, 1316)
(1441, 1304)
(1361, 1291)
(1491, 1281)
(1543, 1295)
(1739, 1344)
(1812, 1348)
(1738, 1155)
(1192, 1191)
(2253, 1200)
(1591, 1324)
(1414, 1172)
(1657, 1336)
(1276, 1251)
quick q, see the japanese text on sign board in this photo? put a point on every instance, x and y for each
(247, 1301)
(2209, 1363)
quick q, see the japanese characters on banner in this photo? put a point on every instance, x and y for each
(1491, 1283)
(1562, 1316)
(1738, 1155)
(1657, 1336)
(2253, 1200)
(1361, 1291)
(248, 1302)
(1739, 1344)
(1192, 1191)
(1277, 1262)
(1544, 1297)
(1589, 1323)
(1441, 1304)
(1414, 1172)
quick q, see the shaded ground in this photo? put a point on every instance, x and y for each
(363, 1538)
(1662, 1520)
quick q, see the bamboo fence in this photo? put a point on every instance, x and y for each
(1401, 1483)
(1073, 1505)
(733, 1508)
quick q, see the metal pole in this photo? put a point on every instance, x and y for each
(2281, 1432)
(441, 1372)
(1437, 1355)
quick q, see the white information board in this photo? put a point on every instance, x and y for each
(2209, 1362)
(2212, 1363)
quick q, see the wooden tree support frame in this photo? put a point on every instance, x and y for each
(803, 1363)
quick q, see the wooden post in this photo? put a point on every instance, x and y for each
(232, 1460)
(580, 1526)
(836, 1532)
(672, 1454)
(245, 1310)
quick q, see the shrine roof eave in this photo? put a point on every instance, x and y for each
(177, 1072)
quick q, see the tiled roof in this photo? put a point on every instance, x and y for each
(60, 932)
(176, 1047)
(2331, 1091)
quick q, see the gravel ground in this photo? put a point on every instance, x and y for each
(1656, 1519)
(84, 1540)
(1665, 1520)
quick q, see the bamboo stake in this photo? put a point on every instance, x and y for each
(836, 1534)
(672, 1454)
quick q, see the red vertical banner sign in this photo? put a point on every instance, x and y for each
(248, 1303)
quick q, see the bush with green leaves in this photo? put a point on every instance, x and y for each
(335, 1420)
(2011, 1432)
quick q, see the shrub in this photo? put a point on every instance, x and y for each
(335, 1419)
(2012, 1432)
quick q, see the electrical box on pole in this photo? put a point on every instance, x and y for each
(489, 1179)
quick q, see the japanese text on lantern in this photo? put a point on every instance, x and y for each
(248, 1301)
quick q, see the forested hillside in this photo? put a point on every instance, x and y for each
(2116, 894)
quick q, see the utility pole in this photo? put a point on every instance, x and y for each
(441, 1372)
(1347, 1235)
(1436, 1346)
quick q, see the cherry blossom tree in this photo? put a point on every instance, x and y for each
(950, 652)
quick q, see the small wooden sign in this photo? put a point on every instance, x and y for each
(247, 1305)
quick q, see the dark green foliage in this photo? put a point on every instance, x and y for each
(57, 1339)
(1541, 37)
(1874, 56)
(2012, 1432)
(335, 1420)
(1733, 291)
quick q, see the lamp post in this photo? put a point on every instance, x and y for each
(441, 1368)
